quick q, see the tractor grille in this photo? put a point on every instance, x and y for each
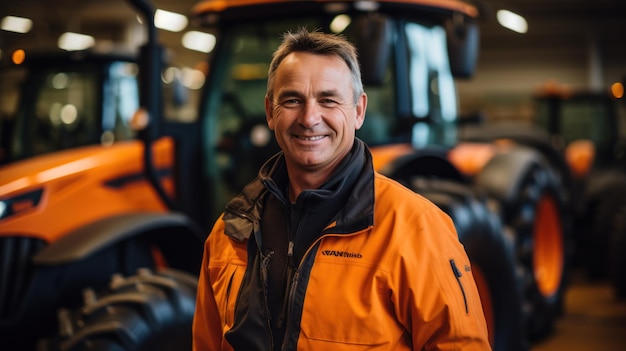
(15, 270)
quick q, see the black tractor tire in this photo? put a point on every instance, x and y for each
(490, 248)
(617, 252)
(606, 192)
(149, 311)
(534, 204)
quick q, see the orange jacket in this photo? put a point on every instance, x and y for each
(403, 283)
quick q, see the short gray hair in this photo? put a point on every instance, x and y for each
(318, 43)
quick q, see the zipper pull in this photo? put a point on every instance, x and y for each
(455, 269)
(290, 249)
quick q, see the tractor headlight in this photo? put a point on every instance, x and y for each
(3, 209)
(19, 203)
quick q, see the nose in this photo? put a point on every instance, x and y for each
(311, 114)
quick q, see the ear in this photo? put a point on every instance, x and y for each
(269, 113)
(361, 106)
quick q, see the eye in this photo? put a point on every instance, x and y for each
(328, 102)
(290, 103)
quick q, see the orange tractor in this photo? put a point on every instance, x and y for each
(78, 212)
(507, 203)
(582, 134)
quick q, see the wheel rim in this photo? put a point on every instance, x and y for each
(548, 247)
(485, 299)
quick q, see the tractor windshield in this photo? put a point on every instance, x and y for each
(596, 117)
(51, 107)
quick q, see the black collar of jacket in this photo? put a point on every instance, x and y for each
(244, 211)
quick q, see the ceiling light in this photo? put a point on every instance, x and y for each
(198, 41)
(171, 21)
(340, 23)
(366, 5)
(16, 24)
(74, 41)
(192, 78)
(512, 21)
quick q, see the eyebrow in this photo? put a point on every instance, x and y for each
(288, 93)
(293, 93)
(329, 93)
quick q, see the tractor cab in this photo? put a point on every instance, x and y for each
(409, 55)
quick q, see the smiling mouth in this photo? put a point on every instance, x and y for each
(310, 138)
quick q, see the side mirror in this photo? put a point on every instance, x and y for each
(373, 42)
(463, 45)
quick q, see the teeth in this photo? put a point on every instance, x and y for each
(313, 138)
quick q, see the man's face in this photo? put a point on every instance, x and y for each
(313, 112)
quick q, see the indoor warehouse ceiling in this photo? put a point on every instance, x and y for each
(550, 22)
(568, 28)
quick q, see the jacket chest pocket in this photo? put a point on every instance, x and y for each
(344, 304)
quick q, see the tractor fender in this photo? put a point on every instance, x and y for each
(427, 162)
(529, 136)
(94, 237)
(90, 255)
(503, 174)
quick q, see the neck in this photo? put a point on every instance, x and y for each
(299, 181)
(303, 178)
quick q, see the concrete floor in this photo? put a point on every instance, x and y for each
(593, 321)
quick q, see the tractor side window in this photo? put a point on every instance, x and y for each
(121, 101)
(62, 115)
(592, 119)
(432, 85)
(181, 92)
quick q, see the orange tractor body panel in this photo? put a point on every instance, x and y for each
(385, 155)
(579, 155)
(78, 187)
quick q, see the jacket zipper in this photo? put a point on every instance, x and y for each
(292, 292)
(265, 259)
(283, 313)
(458, 275)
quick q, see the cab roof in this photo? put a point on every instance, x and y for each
(207, 7)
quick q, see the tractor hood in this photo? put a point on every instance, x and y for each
(49, 195)
(102, 161)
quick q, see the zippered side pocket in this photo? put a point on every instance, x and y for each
(458, 275)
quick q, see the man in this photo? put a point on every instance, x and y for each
(320, 252)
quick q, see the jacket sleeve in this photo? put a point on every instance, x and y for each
(207, 330)
(440, 304)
